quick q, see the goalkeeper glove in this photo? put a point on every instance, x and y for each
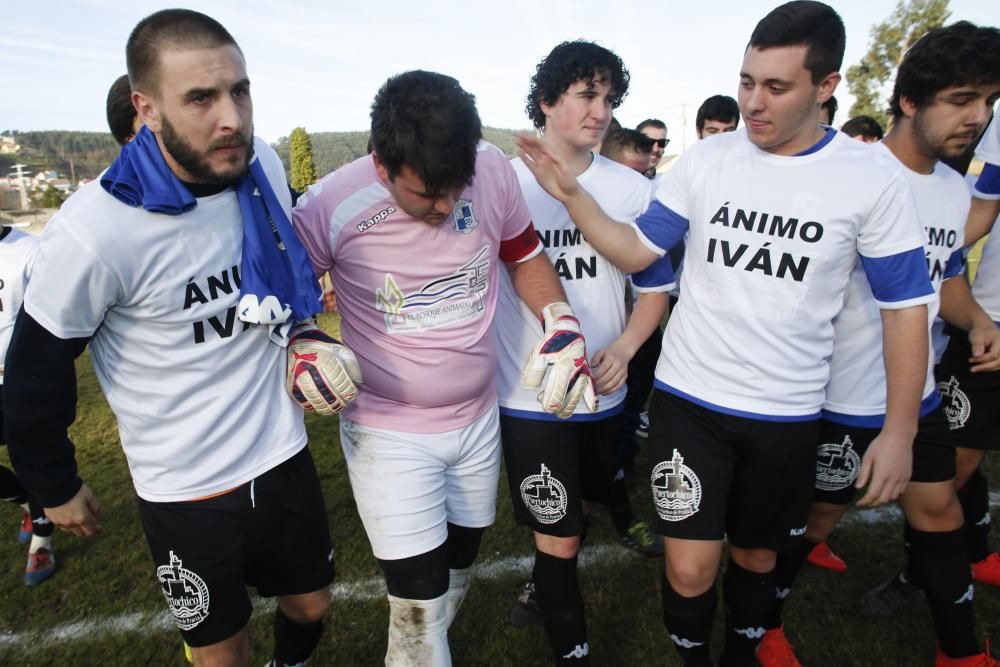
(322, 374)
(562, 347)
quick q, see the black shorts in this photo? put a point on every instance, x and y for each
(552, 466)
(971, 400)
(721, 475)
(270, 533)
(842, 448)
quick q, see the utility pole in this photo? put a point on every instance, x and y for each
(18, 170)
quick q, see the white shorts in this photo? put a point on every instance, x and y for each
(409, 486)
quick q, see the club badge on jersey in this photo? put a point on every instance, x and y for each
(562, 346)
(322, 375)
(465, 219)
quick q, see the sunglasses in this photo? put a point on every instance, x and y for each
(662, 143)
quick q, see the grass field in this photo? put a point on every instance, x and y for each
(103, 606)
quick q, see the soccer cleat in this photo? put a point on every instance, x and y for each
(25, 529)
(978, 660)
(525, 611)
(642, 430)
(889, 598)
(822, 556)
(987, 571)
(775, 650)
(41, 565)
(641, 539)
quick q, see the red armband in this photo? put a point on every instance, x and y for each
(521, 246)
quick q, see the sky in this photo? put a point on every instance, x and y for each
(318, 64)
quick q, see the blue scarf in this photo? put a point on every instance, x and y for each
(277, 284)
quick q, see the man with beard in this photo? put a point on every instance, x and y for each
(151, 266)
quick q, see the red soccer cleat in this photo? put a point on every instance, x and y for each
(822, 556)
(987, 571)
(979, 660)
(25, 530)
(775, 650)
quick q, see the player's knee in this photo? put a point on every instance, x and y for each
(690, 577)
(230, 652)
(421, 577)
(307, 608)
(560, 547)
(933, 507)
(756, 560)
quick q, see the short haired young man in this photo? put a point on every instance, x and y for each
(777, 216)
(414, 236)
(628, 147)
(122, 118)
(555, 466)
(717, 114)
(656, 130)
(147, 266)
(944, 93)
(863, 128)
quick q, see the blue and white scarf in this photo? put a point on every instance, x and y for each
(278, 286)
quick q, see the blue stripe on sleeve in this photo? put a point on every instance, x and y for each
(662, 226)
(989, 180)
(955, 265)
(658, 274)
(898, 277)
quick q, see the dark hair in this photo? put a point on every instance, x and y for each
(651, 122)
(831, 105)
(805, 23)
(720, 108)
(862, 126)
(621, 140)
(169, 29)
(121, 113)
(614, 124)
(426, 121)
(568, 63)
(960, 54)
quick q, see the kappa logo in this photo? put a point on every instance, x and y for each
(685, 643)
(837, 466)
(365, 225)
(797, 532)
(676, 489)
(186, 593)
(782, 593)
(967, 596)
(544, 496)
(579, 651)
(957, 406)
(465, 219)
(985, 521)
(750, 633)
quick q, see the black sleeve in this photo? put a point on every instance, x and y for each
(39, 404)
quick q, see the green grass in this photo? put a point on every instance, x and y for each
(112, 575)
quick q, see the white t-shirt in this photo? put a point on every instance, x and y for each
(17, 255)
(772, 242)
(594, 286)
(856, 394)
(199, 395)
(986, 288)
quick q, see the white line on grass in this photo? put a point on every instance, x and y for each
(366, 589)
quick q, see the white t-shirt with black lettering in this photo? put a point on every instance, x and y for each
(771, 245)
(199, 395)
(17, 255)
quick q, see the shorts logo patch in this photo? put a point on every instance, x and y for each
(465, 219)
(837, 466)
(957, 406)
(544, 496)
(676, 489)
(186, 593)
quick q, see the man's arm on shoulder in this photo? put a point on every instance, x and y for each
(39, 406)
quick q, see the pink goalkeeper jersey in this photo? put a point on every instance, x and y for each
(416, 300)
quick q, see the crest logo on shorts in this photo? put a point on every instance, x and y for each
(837, 466)
(957, 406)
(186, 593)
(465, 219)
(676, 489)
(545, 496)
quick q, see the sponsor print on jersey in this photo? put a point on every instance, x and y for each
(544, 496)
(837, 465)
(957, 406)
(185, 591)
(465, 219)
(676, 489)
(453, 298)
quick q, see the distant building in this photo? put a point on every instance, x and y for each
(8, 146)
(10, 198)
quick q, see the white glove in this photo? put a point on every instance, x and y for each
(562, 347)
(322, 374)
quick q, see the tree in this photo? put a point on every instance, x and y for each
(51, 198)
(303, 169)
(890, 39)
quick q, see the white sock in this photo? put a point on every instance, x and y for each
(418, 633)
(40, 543)
(458, 586)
